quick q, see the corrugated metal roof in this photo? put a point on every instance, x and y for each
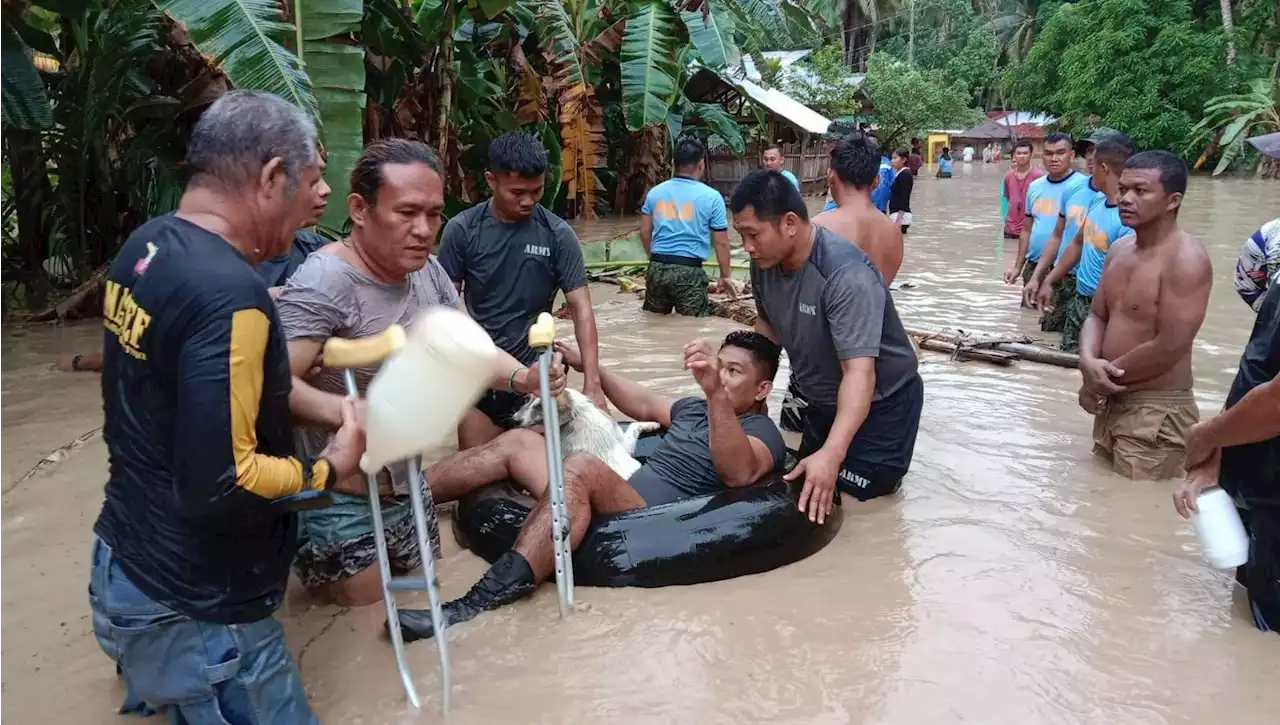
(783, 105)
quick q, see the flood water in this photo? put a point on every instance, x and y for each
(1014, 579)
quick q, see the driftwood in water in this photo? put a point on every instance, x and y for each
(741, 309)
(1021, 347)
(82, 302)
(961, 352)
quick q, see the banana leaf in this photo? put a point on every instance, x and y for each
(648, 63)
(246, 39)
(335, 66)
(712, 35)
(23, 100)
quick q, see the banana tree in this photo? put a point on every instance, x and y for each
(1234, 118)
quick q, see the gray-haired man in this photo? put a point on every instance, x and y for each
(198, 529)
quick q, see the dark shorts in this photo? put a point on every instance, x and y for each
(881, 452)
(1077, 312)
(679, 284)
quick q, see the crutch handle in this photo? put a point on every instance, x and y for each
(543, 332)
(364, 352)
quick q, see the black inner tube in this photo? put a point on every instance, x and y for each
(730, 533)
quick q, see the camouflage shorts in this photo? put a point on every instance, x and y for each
(1063, 290)
(676, 286)
(1073, 322)
(338, 541)
(1028, 269)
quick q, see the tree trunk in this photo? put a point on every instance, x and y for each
(1228, 26)
(32, 194)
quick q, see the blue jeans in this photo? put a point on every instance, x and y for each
(205, 673)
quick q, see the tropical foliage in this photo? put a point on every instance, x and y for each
(912, 100)
(1232, 119)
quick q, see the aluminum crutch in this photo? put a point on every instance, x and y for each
(542, 337)
(368, 352)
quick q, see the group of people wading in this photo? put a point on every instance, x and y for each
(1103, 259)
(233, 449)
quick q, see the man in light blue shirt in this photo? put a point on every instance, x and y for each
(681, 216)
(1102, 228)
(773, 160)
(1047, 198)
(884, 183)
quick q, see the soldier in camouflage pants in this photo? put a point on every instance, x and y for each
(676, 286)
(1063, 290)
(1077, 311)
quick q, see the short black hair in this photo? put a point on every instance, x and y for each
(519, 153)
(1173, 170)
(903, 153)
(772, 147)
(689, 151)
(1024, 144)
(1113, 152)
(366, 174)
(1059, 137)
(763, 350)
(856, 160)
(770, 194)
(946, 149)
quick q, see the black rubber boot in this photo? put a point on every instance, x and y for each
(509, 579)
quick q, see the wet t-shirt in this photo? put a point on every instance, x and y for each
(203, 470)
(277, 270)
(1102, 228)
(685, 212)
(1045, 199)
(1075, 209)
(510, 271)
(1015, 191)
(329, 297)
(681, 466)
(836, 307)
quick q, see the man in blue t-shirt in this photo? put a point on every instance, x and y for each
(884, 184)
(681, 217)
(1046, 201)
(1087, 252)
(713, 443)
(773, 159)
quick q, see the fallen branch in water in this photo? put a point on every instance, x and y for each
(1019, 346)
(965, 353)
(83, 300)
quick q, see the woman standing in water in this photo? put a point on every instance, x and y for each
(900, 191)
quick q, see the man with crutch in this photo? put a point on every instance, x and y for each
(192, 548)
(382, 274)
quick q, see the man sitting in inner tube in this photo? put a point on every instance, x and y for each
(726, 440)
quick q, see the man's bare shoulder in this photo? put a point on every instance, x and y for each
(1188, 260)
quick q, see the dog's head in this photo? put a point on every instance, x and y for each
(530, 414)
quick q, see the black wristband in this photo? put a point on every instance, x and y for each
(75, 363)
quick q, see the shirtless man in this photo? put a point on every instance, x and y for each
(854, 169)
(1135, 348)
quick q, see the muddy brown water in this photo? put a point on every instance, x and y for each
(1014, 580)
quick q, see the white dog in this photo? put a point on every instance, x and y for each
(584, 428)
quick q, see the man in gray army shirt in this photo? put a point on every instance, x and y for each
(509, 257)
(826, 303)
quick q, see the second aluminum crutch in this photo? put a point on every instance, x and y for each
(542, 337)
(369, 352)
